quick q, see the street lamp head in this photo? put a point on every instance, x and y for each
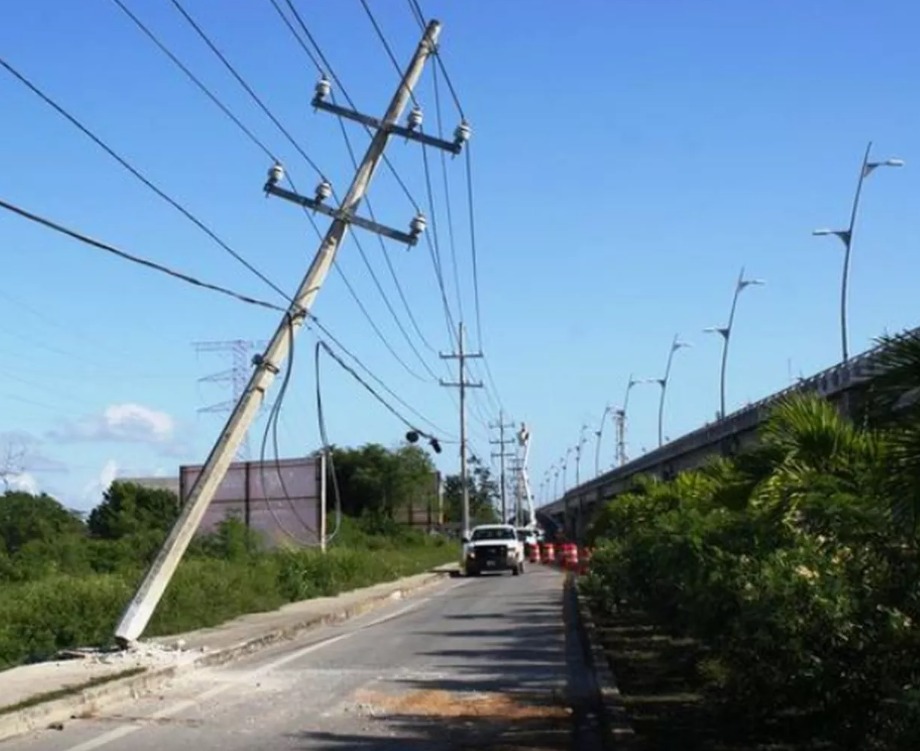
(679, 345)
(751, 283)
(872, 166)
(843, 234)
(717, 330)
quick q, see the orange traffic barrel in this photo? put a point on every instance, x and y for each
(533, 552)
(547, 552)
(570, 556)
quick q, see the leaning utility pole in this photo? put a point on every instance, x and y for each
(463, 385)
(266, 366)
(502, 454)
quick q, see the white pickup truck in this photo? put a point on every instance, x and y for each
(493, 547)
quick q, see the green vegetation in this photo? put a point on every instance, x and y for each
(794, 570)
(64, 582)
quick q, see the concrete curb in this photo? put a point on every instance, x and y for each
(619, 732)
(93, 698)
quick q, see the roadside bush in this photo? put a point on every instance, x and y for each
(40, 617)
(789, 567)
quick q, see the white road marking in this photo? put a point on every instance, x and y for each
(117, 733)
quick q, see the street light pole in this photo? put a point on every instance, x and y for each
(663, 382)
(621, 418)
(846, 237)
(578, 449)
(565, 465)
(599, 433)
(726, 333)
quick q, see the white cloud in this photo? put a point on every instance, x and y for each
(119, 423)
(94, 489)
(25, 482)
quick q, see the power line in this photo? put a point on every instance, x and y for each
(386, 256)
(133, 258)
(315, 321)
(374, 326)
(420, 18)
(447, 201)
(207, 92)
(326, 67)
(386, 44)
(255, 140)
(434, 250)
(248, 88)
(417, 13)
(348, 144)
(321, 344)
(134, 171)
(469, 192)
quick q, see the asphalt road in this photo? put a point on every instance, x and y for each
(482, 663)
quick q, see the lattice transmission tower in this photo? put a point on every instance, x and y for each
(241, 351)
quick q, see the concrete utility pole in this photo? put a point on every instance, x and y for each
(461, 356)
(502, 455)
(266, 367)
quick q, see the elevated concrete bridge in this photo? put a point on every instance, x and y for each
(841, 384)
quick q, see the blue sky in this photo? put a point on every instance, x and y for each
(628, 159)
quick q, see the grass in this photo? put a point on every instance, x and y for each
(669, 699)
(39, 618)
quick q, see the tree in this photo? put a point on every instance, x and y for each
(14, 452)
(131, 509)
(483, 494)
(895, 408)
(377, 481)
(26, 518)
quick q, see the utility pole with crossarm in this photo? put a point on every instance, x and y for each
(267, 366)
(501, 454)
(462, 356)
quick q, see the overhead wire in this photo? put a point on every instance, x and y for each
(383, 249)
(431, 238)
(389, 407)
(313, 58)
(326, 67)
(140, 176)
(255, 97)
(417, 14)
(329, 335)
(420, 18)
(447, 201)
(271, 426)
(212, 46)
(386, 45)
(374, 326)
(133, 258)
(204, 89)
(252, 138)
